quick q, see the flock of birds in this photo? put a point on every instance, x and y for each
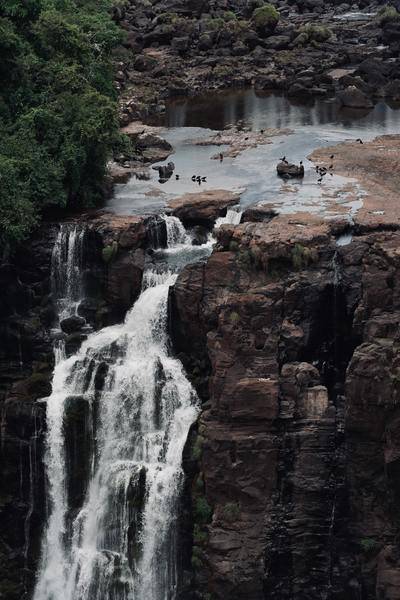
(321, 171)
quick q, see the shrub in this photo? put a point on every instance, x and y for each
(265, 18)
(229, 16)
(302, 256)
(231, 511)
(202, 510)
(316, 33)
(368, 544)
(197, 447)
(388, 14)
(109, 252)
(199, 536)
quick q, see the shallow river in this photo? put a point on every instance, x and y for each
(253, 173)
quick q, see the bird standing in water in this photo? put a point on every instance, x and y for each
(221, 157)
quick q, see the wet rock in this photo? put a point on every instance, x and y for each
(202, 208)
(258, 214)
(352, 97)
(165, 171)
(72, 324)
(290, 170)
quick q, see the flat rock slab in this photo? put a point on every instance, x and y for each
(136, 128)
(376, 167)
(240, 140)
(202, 208)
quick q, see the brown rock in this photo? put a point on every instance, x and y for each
(202, 208)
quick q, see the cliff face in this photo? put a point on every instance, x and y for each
(298, 446)
(114, 254)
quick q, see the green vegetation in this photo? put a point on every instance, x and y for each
(199, 535)
(368, 545)
(231, 511)
(202, 510)
(388, 14)
(109, 252)
(197, 447)
(265, 18)
(316, 33)
(302, 256)
(58, 117)
(234, 318)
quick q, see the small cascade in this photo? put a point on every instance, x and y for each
(232, 217)
(176, 233)
(120, 543)
(66, 269)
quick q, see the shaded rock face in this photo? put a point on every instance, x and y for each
(114, 252)
(292, 343)
(26, 361)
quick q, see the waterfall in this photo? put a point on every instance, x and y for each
(66, 269)
(176, 233)
(232, 217)
(120, 542)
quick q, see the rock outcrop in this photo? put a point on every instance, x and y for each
(292, 343)
(202, 208)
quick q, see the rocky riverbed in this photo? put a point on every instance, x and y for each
(313, 49)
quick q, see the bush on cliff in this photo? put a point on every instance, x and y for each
(58, 114)
(265, 18)
(388, 14)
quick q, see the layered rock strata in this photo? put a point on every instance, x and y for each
(292, 342)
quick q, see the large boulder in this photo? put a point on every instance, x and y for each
(202, 208)
(352, 97)
(289, 170)
(72, 324)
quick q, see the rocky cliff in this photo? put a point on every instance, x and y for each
(292, 342)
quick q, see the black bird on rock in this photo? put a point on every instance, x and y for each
(359, 140)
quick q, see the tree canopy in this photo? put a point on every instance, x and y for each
(58, 116)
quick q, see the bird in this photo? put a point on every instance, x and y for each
(301, 162)
(332, 156)
(246, 138)
(204, 179)
(221, 157)
(359, 140)
(177, 177)
(283, 159)
(319, 180)
(193, 177)
(198, 179)
(331, 166)
(261, 130)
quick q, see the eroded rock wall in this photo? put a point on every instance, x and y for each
(292, 342)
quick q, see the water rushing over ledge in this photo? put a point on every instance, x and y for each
(138, 406)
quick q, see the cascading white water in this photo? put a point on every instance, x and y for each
(120, 544)
(232, 217)
(66, 269)
(176, 233)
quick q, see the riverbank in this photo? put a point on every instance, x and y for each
(314, 50)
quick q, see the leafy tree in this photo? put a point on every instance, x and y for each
(58, 114)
